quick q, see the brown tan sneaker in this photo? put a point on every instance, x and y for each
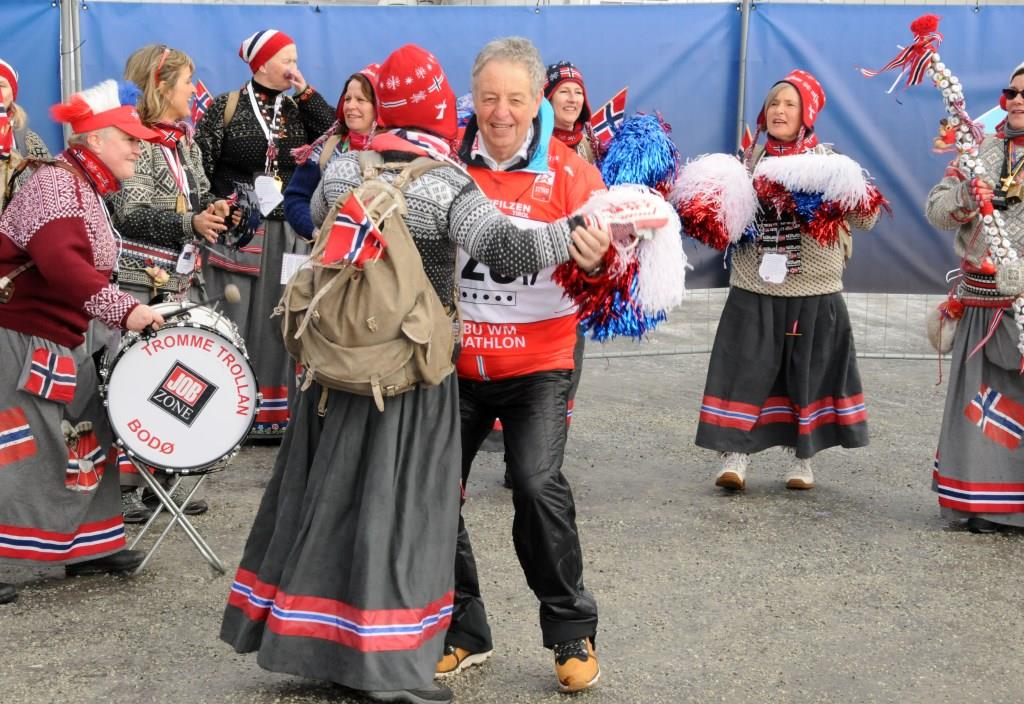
(576, 665)
(456, 659)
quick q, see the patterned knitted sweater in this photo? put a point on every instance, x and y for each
(27, 144)
(153, 233)
(239, 151)
(446, 210)
(57, 221)
(950, 206)
(821, 270)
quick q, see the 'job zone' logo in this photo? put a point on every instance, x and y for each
(183, 393)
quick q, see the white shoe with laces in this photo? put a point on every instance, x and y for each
(800, 475)
(734, 471)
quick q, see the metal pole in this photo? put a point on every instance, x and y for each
(76, 47)
(741, 98)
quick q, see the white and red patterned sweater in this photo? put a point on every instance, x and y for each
(57, 220)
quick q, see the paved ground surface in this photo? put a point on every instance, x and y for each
(853, 592)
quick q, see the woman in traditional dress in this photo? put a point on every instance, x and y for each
(17, 141)
(783, 369)
(979, 475)
(247, 136)
(163, 211)
(348, 571)
(356, 121)
(58, 251)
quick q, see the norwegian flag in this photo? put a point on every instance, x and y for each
(52, 376)
(201, 102)
(16, 439)
(748, 139)
(6, 135)
(608, 119)
(1000, 419)
(86, 461)
(353, 238)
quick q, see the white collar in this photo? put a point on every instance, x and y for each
(480, 150)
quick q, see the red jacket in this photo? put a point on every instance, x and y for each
(518, 327)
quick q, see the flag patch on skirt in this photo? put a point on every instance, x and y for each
(16, 440)
(51, 376)
(1000, 419)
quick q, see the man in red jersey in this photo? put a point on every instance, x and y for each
(517, 362)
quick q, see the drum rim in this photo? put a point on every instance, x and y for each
(196, 469)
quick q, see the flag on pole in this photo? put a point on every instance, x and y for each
(607, 120)
(201, 102)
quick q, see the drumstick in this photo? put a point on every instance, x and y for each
(231, 295)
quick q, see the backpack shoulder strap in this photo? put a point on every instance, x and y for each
(231, 107)
(414, 169)
(327, 150)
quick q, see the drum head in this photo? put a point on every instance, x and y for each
(182, 399)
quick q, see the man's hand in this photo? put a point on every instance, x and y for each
(588, 247)
(141, 317)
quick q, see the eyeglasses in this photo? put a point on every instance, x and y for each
(1011, 93)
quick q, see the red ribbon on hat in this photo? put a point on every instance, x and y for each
(916, 57)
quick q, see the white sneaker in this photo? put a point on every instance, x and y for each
(800, 475)
(734, 471)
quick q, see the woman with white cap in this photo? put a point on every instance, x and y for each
(58, 253)
(247, 137)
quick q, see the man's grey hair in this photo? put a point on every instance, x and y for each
(517, 50)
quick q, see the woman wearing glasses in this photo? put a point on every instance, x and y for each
(979, 475)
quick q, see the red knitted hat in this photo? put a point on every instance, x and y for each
(257, 49)
(413, 91)
(812, 97)
(7, 71)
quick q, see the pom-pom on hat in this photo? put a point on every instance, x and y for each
(413, 91)
(557, 74)
(257, 49)
(812, 98)
(7, 71)
(103, 105)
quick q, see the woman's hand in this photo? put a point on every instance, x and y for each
(294, 77)
(208, 224)
(141, 317)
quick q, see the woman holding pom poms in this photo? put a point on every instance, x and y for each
(783, 371)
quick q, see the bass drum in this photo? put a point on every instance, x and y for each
(183, 399)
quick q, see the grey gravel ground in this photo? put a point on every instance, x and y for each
(853, 592)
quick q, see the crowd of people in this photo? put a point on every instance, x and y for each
(359, 568)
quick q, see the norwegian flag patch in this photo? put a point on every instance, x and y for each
(51, 376)
(353, 238)
(16, 439)
(1000, 419)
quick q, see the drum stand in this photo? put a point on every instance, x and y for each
(177, 516)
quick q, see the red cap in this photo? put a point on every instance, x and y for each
(812, 97)
(100, 107)
(259, 48)
(413, 91)
(7, 71)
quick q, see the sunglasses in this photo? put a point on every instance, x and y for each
(1011, 93)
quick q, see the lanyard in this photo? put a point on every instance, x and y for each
(177, 170)
(270, 131)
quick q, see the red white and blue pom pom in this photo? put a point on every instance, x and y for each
(641, 153)
(820, 190)
(715, 200)
(642, 276)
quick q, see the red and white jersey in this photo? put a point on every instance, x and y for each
(526, 324)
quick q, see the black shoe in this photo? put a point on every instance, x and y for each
(431, 694)
(195, 507)
(119, 563)
(8, 593)
(132, 508)
(507, 483)
(977, 524)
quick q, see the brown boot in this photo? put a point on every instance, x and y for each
(576, 665)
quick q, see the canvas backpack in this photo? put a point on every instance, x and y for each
(378, 329)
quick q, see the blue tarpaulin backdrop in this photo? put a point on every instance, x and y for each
(681, 60)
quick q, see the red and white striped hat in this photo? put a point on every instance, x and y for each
(257, 49)
(7, 71)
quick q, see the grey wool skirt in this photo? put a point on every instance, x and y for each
(979, 464)
(783, 372)
(348, 572)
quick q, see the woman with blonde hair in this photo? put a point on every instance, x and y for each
(17, 141)
(165, 208)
